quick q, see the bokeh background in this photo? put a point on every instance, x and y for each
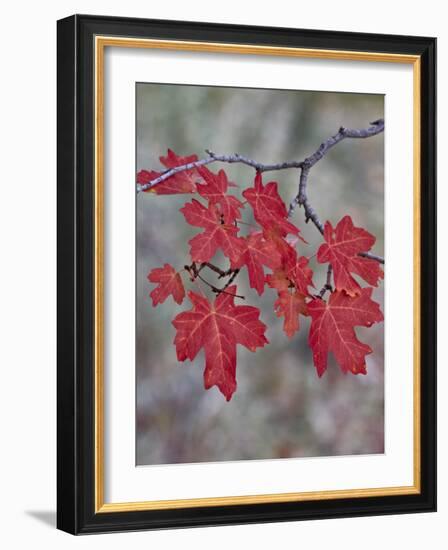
(281, 409)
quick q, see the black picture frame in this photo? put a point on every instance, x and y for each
(76, 512)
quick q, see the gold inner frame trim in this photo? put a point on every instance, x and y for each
(101, 42)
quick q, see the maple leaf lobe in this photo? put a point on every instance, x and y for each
(170, 283)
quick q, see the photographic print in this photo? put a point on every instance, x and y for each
(247, 250)
(259, 274)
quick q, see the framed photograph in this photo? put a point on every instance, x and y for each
(246, 274)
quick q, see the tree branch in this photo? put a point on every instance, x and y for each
(259, 166)
(213, 157)
(301, 199)
(327, 285)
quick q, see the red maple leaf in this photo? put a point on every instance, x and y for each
(332, 329)
(301, 275)
(293, 270)
(145, 176)
(257, 252)
(217, 328)
(170, 283)
(182, 182)
(341, 250)
(268, 207)
(290, 306)
(297, 274)
(215, 191)
(285, 247)
(217, 234)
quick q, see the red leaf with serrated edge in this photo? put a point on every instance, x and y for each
(215, 191)
(293, 270)
(268, 207)
(217, 234)
(341, 250)
(301, 275)
(182, 182)
(332, 329)
(287, 250)
(172, 160)
(217, 328)
(145, 176)
(297, 275)
(170, 283)
(290, 306)
(257, 252)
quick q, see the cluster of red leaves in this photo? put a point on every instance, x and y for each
(218, 326)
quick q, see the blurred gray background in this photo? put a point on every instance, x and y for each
(281, 408)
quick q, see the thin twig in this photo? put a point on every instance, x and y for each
(232, 278)
(259, 166)
(214, 268)
(372, 257)
(217, 290)
(327, 285)
(194, 272)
